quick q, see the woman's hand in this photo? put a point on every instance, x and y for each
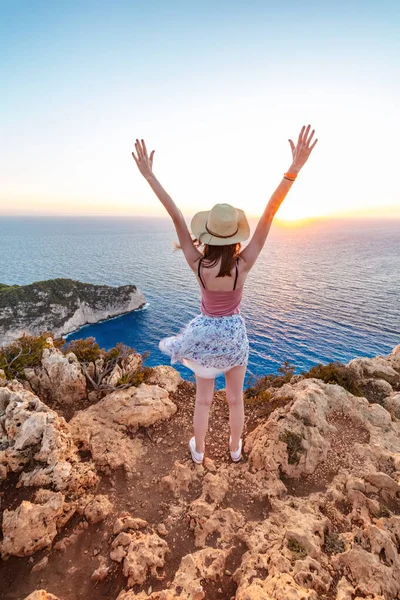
(302, 151)
(144, 162)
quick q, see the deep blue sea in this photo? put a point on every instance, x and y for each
(319, 292)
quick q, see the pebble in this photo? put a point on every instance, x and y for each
(162, 530)
(42, 564)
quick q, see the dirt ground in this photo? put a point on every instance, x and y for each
(68, 572)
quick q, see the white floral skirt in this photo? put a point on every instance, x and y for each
(209, 346)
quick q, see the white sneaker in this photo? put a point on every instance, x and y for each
(237, 454)
(197, 457)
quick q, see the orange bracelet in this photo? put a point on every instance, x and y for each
(290, 175)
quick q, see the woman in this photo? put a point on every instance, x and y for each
(215, 341)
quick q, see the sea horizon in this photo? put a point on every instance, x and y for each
(320, 292)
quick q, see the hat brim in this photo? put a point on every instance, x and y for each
(198, 227)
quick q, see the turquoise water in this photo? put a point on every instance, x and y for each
(318, 293)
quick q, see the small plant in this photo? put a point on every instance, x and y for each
(260, 384)
(286, 371)
(336, 373)
(86, 350)
(135, 378)
(22, 353)
(383, 512)
(293, 442)
(89, 351)
(332, 543)
(260, 398)
(298, 550)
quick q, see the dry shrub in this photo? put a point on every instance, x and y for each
(261, 384)
(24, 352)
(338, 374)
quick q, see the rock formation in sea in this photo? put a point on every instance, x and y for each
(100, 499)
(61, 306)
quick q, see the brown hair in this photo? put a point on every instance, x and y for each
(212, 254)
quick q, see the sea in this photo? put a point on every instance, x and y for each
(322, 291)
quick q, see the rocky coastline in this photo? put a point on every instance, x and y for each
(61, 306)
(100, 500)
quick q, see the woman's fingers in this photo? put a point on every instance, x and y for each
(292, 146)
(134, 158)
(304, 140)
(151, 157)
(301, 134)
(139, 149)
(310, 138)
(144, 149)
(313, 144)
(305, 137)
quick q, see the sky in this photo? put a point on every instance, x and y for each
(216, 88)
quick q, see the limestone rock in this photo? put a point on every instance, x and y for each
(31, 433)
(31, 527)
(41, 595)
(295, 439)
(207, 564)
(166, 377)
(394, 358)
(59, 379)
(392, 404)
(102, 428)
(205, 520)
(125, 522)
(141, 553)
(40, 565)
(378, 367)
(98, 509)
(182, 477)
(102, 571)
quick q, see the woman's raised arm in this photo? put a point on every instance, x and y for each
(145, 166)
(300, 153)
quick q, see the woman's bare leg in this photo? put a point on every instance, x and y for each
(204, 398)
(234, 395)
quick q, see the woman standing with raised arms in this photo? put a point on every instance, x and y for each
(215, 342)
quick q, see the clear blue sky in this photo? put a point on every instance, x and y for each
(217, 88)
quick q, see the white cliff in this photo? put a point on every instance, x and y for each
(61, 306)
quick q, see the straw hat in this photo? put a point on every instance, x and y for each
(223, 224)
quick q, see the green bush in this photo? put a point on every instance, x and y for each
(86, 350)
(286, 372)
(135, 378)
(336, 373)
(260, 398)
(298, 550)
(22, 353)
(383, 512)
(332, 543)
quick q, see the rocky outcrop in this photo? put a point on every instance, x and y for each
(59, 379)
(104, 428)
(140, 553)
(37, 443)
(61, 306)
(41, 595)
(166, 377)
(31, 527)
(206, 565)
(311, 512)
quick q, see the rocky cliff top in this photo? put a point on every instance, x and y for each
(61, 306)
(100, 498)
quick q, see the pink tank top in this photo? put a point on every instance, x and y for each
(220, 303)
